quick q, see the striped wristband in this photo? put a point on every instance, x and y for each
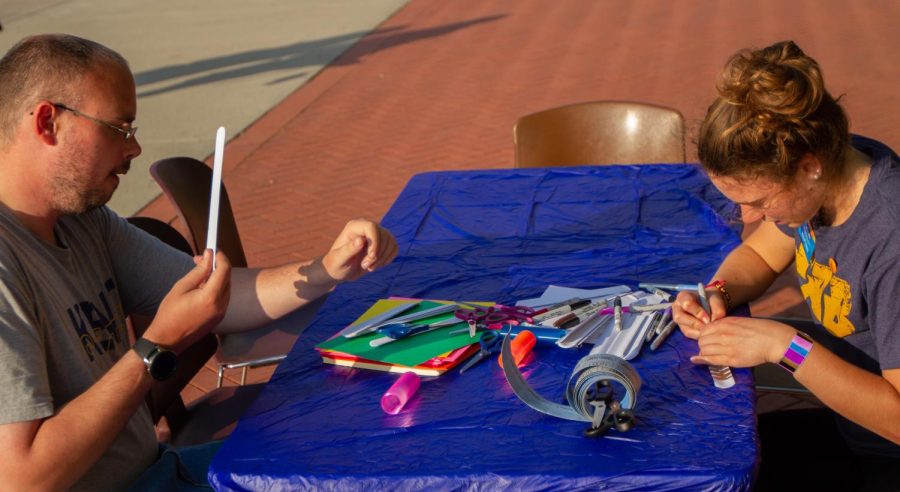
(796, 352)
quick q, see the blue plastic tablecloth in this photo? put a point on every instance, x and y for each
(504, 235)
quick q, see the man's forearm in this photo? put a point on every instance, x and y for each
(259, 296)
(63, 447)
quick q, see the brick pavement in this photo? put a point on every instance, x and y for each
(439, 85)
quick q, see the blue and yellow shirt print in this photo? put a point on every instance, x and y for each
(98, 326)
(827, 294)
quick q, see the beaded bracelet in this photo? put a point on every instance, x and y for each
(796, 352)
(720, 284)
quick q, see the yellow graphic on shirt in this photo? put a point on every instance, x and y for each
(828, 295)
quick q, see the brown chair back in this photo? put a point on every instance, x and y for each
(600, 132)
(164, 399)
(186, 183)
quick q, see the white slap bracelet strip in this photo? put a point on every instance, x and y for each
(212, 229)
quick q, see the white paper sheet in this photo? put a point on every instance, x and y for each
(555, 293)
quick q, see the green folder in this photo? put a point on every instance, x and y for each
(409, 351)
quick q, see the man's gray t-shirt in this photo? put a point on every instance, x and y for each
(850, 278)
(62, 322)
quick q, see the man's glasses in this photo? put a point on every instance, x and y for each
(127, 132)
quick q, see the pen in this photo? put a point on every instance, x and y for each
(678, 287)
(654, 320)
(661, 293)
(704, 301)
(563, 303)
(564, 309)
(721, 375)
(579, 315)
(663, 335)
(656, 329)
(617, 309)
(650, 307)
(667, 316)
(542, 334)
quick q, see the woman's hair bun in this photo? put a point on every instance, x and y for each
(772, 110)
(779, 81)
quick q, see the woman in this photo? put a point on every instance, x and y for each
(777, 143)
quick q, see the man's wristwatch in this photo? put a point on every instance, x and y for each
(160, 362)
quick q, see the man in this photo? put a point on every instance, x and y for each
(71, 389)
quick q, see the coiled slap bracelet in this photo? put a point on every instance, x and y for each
(796, 352)
(589, 371)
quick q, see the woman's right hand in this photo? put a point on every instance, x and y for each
(194, 305)
(689, 314)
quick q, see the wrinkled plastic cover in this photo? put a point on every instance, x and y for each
(504, 235)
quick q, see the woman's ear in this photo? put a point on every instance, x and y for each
(810, 167)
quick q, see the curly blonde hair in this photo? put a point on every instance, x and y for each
(772, 109)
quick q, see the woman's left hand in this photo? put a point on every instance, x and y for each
(742, 342)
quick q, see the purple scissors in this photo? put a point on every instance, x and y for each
(494, 316)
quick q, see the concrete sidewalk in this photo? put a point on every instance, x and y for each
(202, 64)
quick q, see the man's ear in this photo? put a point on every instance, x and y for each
(43, 121)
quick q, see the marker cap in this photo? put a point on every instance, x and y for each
(520, 346)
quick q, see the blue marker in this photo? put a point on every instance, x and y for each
(543, 334)
(676, 287)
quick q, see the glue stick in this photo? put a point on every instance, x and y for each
(399, 393)
(520, 346)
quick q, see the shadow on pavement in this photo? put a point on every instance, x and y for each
(292, 56)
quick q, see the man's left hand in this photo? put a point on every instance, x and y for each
(363, 246)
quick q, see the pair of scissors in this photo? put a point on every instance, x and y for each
(608, 412)
(489, 342)
(494, 316)
(398, 331)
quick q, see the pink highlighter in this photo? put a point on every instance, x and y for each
(399, 393)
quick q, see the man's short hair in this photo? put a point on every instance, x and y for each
(46, 66)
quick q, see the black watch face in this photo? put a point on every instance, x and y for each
(163, 365)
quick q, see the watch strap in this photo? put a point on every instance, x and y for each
(160, 362)
(145, 348)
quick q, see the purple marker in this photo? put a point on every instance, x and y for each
(617, 313)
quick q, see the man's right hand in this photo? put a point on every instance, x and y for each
(194, 305)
